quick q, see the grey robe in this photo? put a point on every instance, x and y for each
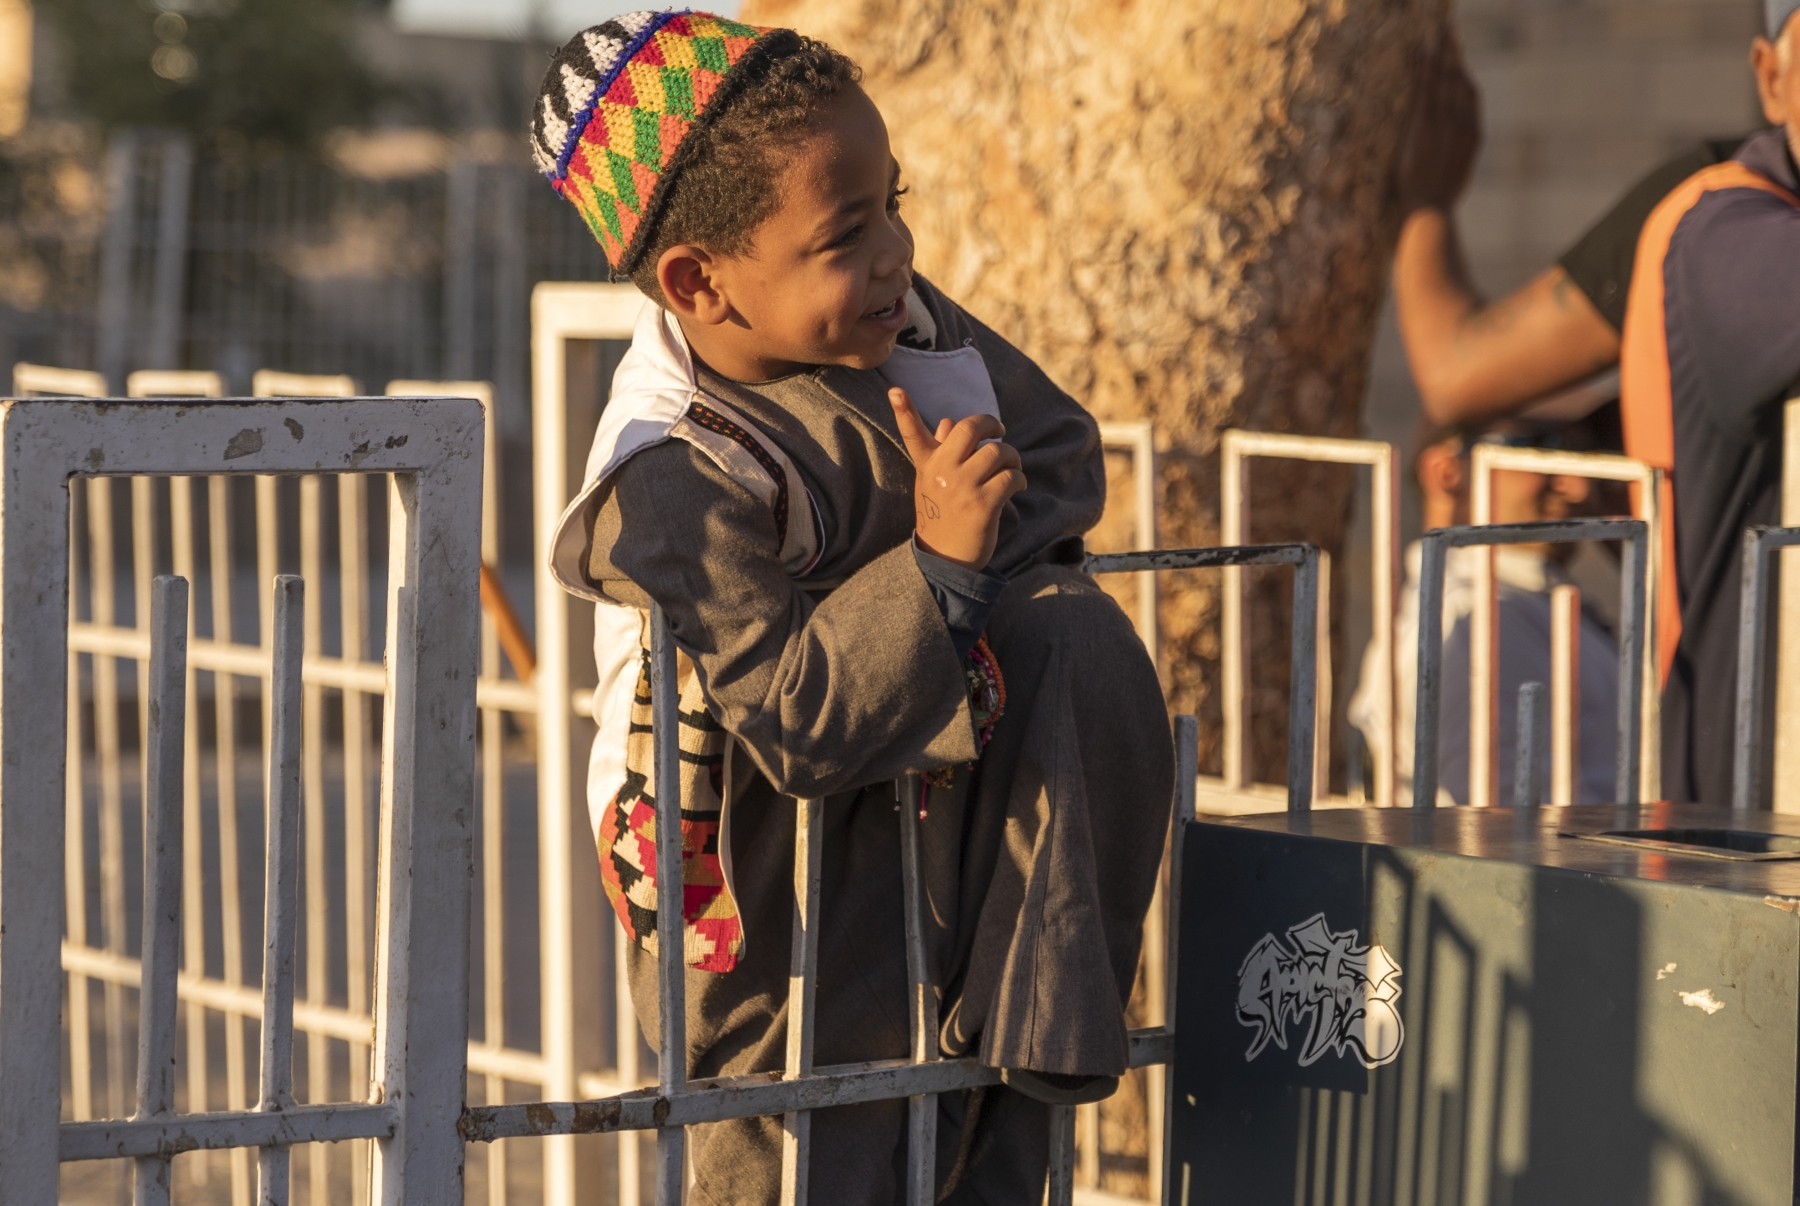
(1039, 860)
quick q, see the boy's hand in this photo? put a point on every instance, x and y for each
(961, 483)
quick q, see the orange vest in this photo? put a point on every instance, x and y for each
(1646, 400)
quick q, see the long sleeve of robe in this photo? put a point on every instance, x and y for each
(1039, 860)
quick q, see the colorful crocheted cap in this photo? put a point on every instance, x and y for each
(617, 107)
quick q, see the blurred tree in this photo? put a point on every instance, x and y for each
(266, 71)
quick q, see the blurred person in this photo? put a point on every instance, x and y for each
(1475, 360)
(1524, 575)
(1711, 350)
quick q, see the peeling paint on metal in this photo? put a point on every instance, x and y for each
(1703, 1000)
(247, 442)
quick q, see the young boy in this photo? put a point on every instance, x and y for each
(864, 581)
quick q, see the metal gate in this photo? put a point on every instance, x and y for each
(433, 450)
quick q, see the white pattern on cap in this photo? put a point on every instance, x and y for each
(606, 51)
(577, 89)
(556, 132)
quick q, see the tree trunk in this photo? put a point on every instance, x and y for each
(1183, 212)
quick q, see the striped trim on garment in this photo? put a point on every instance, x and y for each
(712, 420)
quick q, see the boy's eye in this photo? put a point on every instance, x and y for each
(849, 238)
(894, 199)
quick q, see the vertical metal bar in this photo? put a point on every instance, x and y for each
(460, 250)
(1746, 771)
(511, 366)
(1303, 684)
(625, 1040)
(1649, 676)
(353, 627)
(34, 607)
(312, 781)
(231, 884)
(81, 1037)
(922, 1003)
(1384, 514)
(428, 784)
(102, 598)
(671, 1064)
(1430, 663)
(164, 790)
(1484, 683)
(143, 570)
(280, 902)
(1565, 695)
(268, 567)
(1187, 770)
(803, 978)
(1484, 690)
(1087, 1145)
(1234, 502)
(1633, 575)
(1532, 737)
(1144, 469)
(493, 813)
(193, 866)
(176, 171)
(112, 320)
(1785, 788)
(1062, 1156)
(556, 807)
(1321, 761)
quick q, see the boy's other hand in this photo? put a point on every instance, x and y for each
(961, 483)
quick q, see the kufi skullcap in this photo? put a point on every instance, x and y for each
(617, 109)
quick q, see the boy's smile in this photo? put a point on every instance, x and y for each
(825, 278)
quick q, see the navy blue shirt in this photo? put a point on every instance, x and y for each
(1732, 312)
(965, 596)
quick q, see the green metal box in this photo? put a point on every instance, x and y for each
(1387, 1008)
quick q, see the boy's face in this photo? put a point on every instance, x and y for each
(825, 278)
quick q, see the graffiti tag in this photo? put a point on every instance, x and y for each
(1350, 991)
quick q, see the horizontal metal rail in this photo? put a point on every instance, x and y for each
(799, 1087)
(760, 1094)
(1436, 544)
(345, 674)
(1303, 662)
(177, 1133)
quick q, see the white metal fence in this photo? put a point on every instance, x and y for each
(587, 1046)
(432, 449)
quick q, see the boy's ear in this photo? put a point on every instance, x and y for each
(688, 276)
(1765, 64)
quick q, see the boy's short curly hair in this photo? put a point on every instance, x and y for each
(729, 183)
